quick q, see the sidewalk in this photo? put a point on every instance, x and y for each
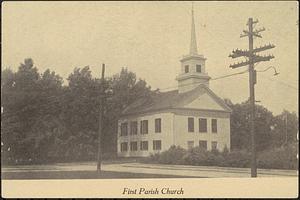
(199, 171)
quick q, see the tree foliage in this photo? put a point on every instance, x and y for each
(270, 130)
(43, 120)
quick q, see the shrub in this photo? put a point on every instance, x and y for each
(236, 158)
(174, 155)
(279, 158)
(225, 151)
(215, 158)
(199, 156)
(195, 156)
(276, 158)
(153, 158)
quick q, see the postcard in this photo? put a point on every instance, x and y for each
(149, 99)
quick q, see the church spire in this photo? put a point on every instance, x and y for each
(193, 72)
(193, 46)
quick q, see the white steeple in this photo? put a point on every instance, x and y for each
(193, 46)
(192, 66)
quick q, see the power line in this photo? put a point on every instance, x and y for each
(213, 79)
(280, 82)
(229, 75)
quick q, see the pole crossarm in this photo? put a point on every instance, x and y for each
(243, 35)
(239, 53)
(252, 33)
(259, 30)
(241, 64)
(258, 58)
(263, 48)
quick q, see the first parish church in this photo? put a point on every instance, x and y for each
(193, 115)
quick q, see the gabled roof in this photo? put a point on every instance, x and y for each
(171, 99)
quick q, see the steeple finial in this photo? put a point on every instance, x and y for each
(193, 46)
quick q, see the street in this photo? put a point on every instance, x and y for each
(140, 170)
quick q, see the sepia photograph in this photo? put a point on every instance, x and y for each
(149, 98)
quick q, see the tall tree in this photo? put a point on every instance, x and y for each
(124, 88)
(285, 128)
(80, 114)
(20, 92)
(240, 129)
(31, 105)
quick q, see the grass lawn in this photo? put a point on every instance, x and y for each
(78, 175)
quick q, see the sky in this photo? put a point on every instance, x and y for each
(149, 38)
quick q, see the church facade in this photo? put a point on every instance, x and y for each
(193, 115)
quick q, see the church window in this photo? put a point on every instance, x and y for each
(156, 144)
(133, 146)
(214, 145)
(191, 124)
(144, 127)
(186, 69)
(124, 146)
(198, 68)
(124, 129)
(202, 125)
(144, 145)
(157, 125)
(203, 144)
(214, 126)
(133, 128)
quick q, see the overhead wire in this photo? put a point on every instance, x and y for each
(213, 79)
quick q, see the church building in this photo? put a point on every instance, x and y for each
(193, 115)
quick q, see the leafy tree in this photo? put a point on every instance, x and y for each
(80, 112)
(19, 108)
(284, 128)
(240, 126)
(270, 130)
(124, 88)
(28, 98)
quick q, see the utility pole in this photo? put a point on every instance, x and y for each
(286, 127)
(99, 155)
(252, 58)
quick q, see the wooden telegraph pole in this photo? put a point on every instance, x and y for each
(286, 128)
(252, 58)
(99, 155)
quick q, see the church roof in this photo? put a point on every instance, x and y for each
(171, 99)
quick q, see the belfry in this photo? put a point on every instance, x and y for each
(193, 70)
